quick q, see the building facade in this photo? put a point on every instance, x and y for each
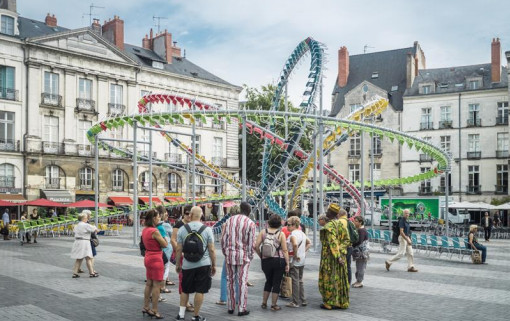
(464, 110)
(67, 80)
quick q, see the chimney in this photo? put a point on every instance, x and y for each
(176, 51)
(51, 20)
(146, 43)
(162, 45)
(113, 31)
(495, 60)
(343, 66)
(96, 27)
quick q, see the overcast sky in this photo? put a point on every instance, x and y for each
(247, 42)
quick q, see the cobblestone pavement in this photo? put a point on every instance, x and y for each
(36, 284)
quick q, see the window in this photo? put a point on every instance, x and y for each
(144, 148)
(474, 84)
(118, 180)
(85, 89)
(502, 150)
(394, 88)
(86, 178)
(197, 144)
(50, 129)
(116, 133)
(375, 75)
(426, 118)
(218, 151)
(7, 90)
(474, 115)
(116, 94)
(355, 146)
(442, 184)
(446, 117)
(144, 181)
(474, 142)
(445, 143)
(51, 83)
(376, 145)
(377, 171)
(53, 177)
(7, 26)
(502, 113)
(7, 141)
(426, 89)
(502, 179)
(354, 172)
(355, 107)
(199, 184)
(425, 187)
(6, 175)
(174, 183)
(83, 127)
(473, 179)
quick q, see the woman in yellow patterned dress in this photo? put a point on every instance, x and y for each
(333, 282)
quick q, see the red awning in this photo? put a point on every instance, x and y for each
(7, 204)
(121, 200)
(228, 203)
(42, 202)
(12, 198)
(146, 201)
(87, 203)
(175, 199)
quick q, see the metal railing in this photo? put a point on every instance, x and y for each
(85, 104)
(425, 158)
(425, 190)
(474, 122)
(9, 94)
(53, 182)
(116, 109)
(52, 148)
(474, 189)
(9, 145)
(173, 158)
(474, 155)
(501, 153)
(85, 149)
(354, 153)
(426, 125)
(442, 189)
(7, 181)
(445, 124)
(502, 120)
(51, 99)
(501, 189)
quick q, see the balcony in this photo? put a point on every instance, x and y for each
(173, 158)
(85, 105)
(474, 155)
(425, 158)
(53, 182)
(51, 99)
(9, 94)
(425, 190)
(116, 109)
(377, 152)
(7, 181)
(145, 153)
(502, 120)
(474, 122)
(426, 125)
(443, 124)
(354, 154)
(52, 148)
(219, 161)
(84, 150)
(9, 145)
(501, 189)
(442, 190)
(501, 154)
(474, 189)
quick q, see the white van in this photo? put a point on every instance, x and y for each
(456, 215)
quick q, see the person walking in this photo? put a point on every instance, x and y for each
(6, 220)
(271, 247)
(405, 244)
(165, 229)
(473, 242)
(360, 251)
(487, 224)
(81, 247)
(153, 261)
(34, 216)
(333, 281)
(237, 240)
(298, 244)
(196, 242)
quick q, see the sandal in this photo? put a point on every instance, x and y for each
(292, 305)
(147, 311)
(263, 305)
(221, 303)
(161, 299)
(157, 315)
(275, 307)
(165, 290)
(75, 276)
(168, 282)
(357, 285)
(325, 306)
(94, 275)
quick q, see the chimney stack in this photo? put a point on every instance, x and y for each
(96, 27)
(162, 45)
(176, 51)
(113, 31)
(51, 20)
(495, 60)
(343, 66)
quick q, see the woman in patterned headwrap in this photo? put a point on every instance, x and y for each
(333, 281)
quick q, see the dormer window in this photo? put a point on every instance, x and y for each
(7, 25)
(394, 88)
(375, 75)
(157, 64)
(426, 89)
(474, 84)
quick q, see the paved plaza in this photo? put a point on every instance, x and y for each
(36, 284)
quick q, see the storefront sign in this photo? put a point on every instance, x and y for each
(173, 194)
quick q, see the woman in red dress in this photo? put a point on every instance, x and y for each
(153, 242)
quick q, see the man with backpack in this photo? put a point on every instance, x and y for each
(405, 244)
(237, 240)
(196, 242)
(353, 237)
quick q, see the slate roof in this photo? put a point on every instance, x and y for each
(445, 79)
(30, 28)
(391, 66)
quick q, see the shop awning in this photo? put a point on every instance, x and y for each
(60, 195)
(121, 200)
(42, 202)
(14, 198)
(175, 199)
(7, 204)
(87, 203)
(146, 200)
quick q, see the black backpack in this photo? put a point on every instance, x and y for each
(396, 231)
(193, 245)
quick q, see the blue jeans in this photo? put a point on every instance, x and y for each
(481, 248)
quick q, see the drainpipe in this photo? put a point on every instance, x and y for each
(460, 155)
(24, 151)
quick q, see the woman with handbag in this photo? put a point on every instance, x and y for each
(360, 251)
(81, 246)
(473, 242)
(153, 261)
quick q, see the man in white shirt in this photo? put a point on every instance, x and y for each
(298, 245)
(6, 220)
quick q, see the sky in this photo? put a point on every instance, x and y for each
(248, 41)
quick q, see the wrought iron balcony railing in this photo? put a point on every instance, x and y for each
(474, 155)
(426, 125)
(445, 124)
(474, 189)
(9, 94)
(51, 99)
(83, 104)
